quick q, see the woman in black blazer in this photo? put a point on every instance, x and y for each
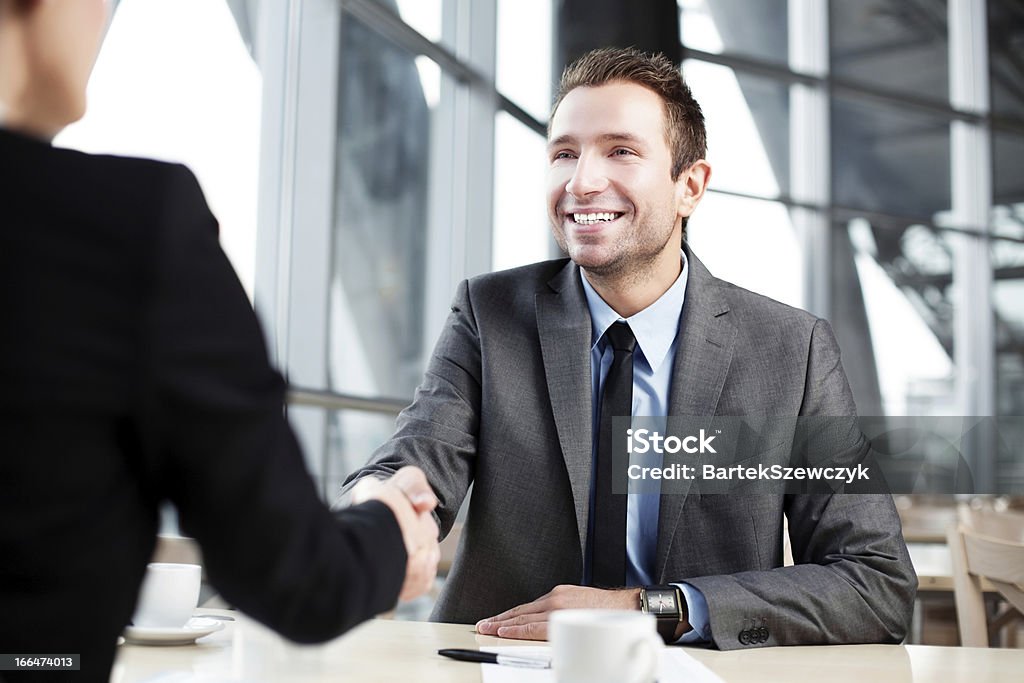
(133, 371)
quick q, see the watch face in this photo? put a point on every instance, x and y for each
(661, 602)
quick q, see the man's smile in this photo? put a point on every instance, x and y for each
(590, 218)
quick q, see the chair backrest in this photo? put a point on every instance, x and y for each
(178, 549)
(985, 544)
(1006, 525)
(449, 546)
(925, 519)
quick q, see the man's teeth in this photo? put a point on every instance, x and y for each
(591, 218)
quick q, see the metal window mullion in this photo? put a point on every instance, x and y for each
(851, 89)
(971, 185)
(462, 160)
(441, 275)
(443, 237)
(475, 43)
(297, 197)
(333, 400)
(313, 190)
(810, 171)
(390, 25)
(277, 46)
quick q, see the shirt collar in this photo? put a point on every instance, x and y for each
(654, 327)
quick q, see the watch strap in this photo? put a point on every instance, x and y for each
(667, 629)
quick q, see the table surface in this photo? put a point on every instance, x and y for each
(384, 650)
(933, 565)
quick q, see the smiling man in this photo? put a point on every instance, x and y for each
(533, 363)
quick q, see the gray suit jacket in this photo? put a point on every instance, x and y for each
(506, 405)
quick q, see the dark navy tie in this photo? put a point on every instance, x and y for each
(608, 553)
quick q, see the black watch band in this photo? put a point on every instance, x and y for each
(667, 605)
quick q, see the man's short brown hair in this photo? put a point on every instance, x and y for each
(684, 121)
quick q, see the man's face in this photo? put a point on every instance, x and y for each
(613, 205)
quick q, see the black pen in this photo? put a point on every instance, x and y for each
(535, 662)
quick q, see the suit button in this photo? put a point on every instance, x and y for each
(762, 635)
(744, 637)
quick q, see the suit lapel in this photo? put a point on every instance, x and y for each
(703, 356)
(563, 321)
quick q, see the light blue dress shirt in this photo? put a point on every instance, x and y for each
(655, 329)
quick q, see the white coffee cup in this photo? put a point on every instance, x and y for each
(169, 594)
(604, 646)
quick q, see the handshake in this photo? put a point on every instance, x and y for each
(412, 501)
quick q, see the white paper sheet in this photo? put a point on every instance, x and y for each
(675, 665)
(188, 677)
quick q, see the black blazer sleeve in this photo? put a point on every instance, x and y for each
(223, 452)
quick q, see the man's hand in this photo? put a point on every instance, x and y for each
(411, 500)
(530, 621)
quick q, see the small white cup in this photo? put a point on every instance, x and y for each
(169, 594)
(604, 646)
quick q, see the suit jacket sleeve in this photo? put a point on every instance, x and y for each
(438, 431)
(852, 581)
(223, 452)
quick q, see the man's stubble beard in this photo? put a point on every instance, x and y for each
(628, 270)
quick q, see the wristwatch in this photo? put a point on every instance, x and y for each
(667, 605)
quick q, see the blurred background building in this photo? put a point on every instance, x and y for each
(364, 156)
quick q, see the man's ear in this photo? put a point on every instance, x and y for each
(690, 187)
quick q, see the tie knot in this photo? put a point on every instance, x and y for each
(620, 337)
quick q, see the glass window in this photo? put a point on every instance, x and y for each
(893, 314)
(175, 81)
(1008, 272)
(1008, 220)
(521, 229)
(892, 44)
(755, 29)
(1008, 184)
(377, 285)
(422, 15)
(770, 259)
(1008, 302)
(352, 436)
(747, 121)
(1006, 64)
(524, 61)
(889, 159)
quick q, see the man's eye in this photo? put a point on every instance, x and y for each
(622, 151)
(564, 155)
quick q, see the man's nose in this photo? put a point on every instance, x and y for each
(588, 178)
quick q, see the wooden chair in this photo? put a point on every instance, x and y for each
(177, 549)
(925, 518)
(449, 546)
(987, 544)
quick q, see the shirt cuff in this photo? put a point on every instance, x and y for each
(697, 609)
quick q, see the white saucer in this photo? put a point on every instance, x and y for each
(197, 627)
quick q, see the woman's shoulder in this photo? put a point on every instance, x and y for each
(39, 163)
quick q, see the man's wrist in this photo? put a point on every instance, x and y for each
(629, 598)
